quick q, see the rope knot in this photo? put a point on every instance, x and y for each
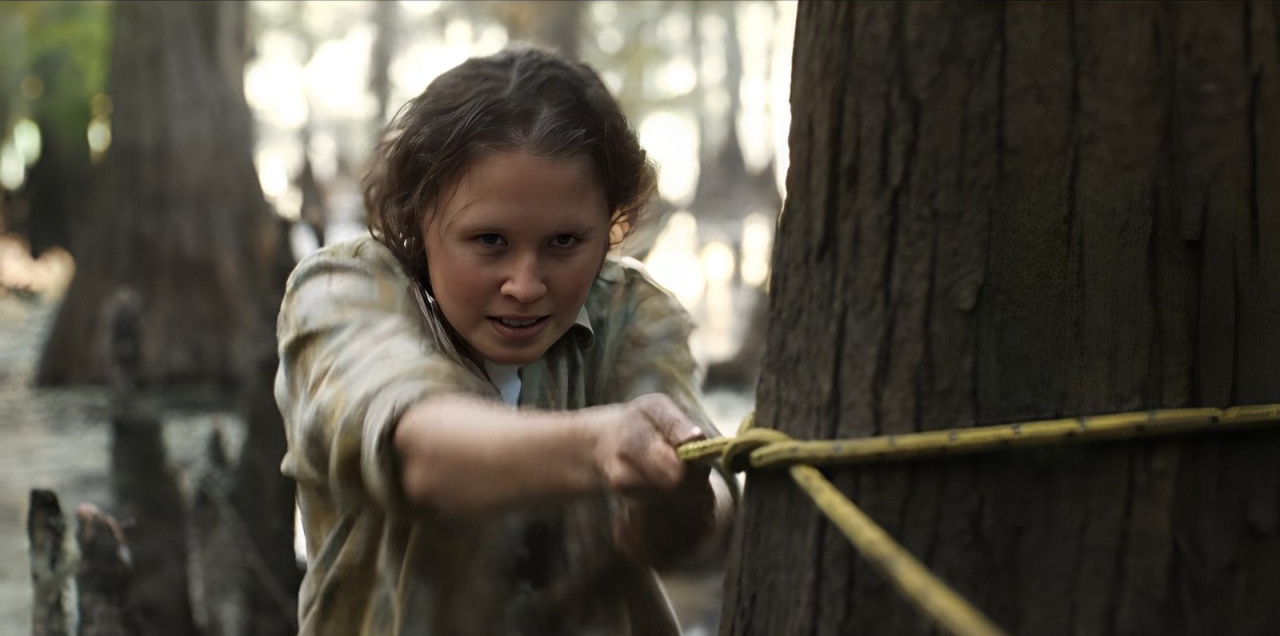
(736, 456)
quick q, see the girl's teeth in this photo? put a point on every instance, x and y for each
(518, 323)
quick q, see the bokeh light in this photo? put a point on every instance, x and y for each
(673, 261)
(671, 140)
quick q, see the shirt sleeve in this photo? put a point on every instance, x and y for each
(353, 357)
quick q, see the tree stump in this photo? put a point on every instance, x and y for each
(103, 576)
(46, 531)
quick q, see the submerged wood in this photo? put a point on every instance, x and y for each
(103, 577)
(46, 531)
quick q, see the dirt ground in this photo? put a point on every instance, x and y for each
(58, 440)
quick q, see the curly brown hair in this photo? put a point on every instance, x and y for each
(519, 99)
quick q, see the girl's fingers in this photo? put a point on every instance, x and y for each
(668, 470)
(675, 426)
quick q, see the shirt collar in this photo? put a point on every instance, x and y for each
(581, 332)
(611, 272)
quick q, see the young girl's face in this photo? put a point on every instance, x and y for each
(513, 250)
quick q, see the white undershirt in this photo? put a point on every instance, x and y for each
(506, 377)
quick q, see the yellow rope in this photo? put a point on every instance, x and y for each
(888, 448)
(912, 579)
(760, 448)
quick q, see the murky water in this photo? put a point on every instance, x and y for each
(58, 439)
(47, 440)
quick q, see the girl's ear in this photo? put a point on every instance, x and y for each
(618, 229)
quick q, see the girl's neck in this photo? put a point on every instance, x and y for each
(506, 378)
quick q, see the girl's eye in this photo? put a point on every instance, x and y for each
(564, 240)
(489, 239)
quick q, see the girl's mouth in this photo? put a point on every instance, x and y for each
(518, 327)
(510, 322)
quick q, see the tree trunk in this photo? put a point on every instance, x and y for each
(177, 213)
(147, 494)
(263, 499)
(56, 185)
(386, 21)
(726, 192)
(180, 222)
(56, 47)
(555, 24)
(1033, 210)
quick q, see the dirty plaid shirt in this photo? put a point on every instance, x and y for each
(354, 354)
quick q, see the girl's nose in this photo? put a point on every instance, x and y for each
(524, 282)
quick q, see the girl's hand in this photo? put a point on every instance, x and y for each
(635, 447)
(664, 528)
(666, 509)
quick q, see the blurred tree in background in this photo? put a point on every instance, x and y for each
(555, 24)
(51, 89)
(176, 219)
(176, 213)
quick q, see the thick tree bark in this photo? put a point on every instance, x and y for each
(1003, 212)
(177, 213)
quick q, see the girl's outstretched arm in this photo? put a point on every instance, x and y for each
(462, 455)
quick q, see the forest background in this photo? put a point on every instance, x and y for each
(706, 85)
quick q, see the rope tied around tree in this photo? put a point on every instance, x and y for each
(756, 448)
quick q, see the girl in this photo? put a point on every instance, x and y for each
(432, 505)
